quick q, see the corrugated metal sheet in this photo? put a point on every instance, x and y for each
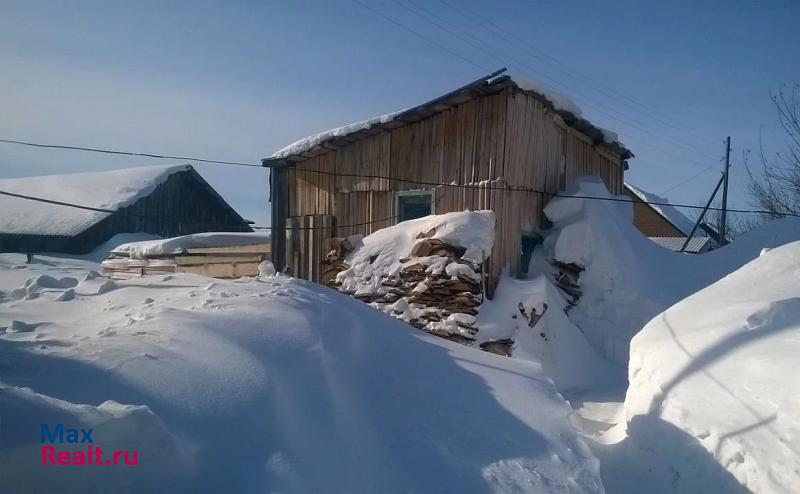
(696, 245)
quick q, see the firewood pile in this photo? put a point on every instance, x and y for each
(434, 290)
(333, 264)
(566, 278)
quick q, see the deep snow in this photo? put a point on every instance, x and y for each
(731, 417)
(721, 365)
(269, 385)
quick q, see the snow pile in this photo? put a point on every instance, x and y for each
(626, 279)
(533, 313)
(179, 245)
(275, 385)
(110, 190)
(721, 365)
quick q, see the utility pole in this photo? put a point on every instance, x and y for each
(723, 227)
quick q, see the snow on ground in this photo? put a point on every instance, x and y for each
(726, 412)
(179, 245)
(104, 190)
(268, 385)
(721, 366)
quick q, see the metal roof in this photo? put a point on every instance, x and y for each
(696, 245)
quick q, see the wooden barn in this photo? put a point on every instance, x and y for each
(163, 200)
(473, 148)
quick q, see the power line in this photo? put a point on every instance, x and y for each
(511, 188)
(420, 35)
(555, 63)
(611, 112)
(684, 182)
(126, 153)
(111, 211)
(479, 187)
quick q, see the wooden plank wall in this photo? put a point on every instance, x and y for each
(506, 139)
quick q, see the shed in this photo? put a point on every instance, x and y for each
(665, 225)
(163, 200)
(498, 143)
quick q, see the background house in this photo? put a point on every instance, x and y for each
(161, 200)
(667, 226)
(472, 148)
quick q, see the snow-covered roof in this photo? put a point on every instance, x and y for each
(179, 245)
(696, 244)
(110, 190)
(315, 144)
(669, 213)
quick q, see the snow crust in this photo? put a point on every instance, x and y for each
(270, 385)
(721, 365)
(179, 245)
(103, 190)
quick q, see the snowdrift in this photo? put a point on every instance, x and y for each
(270, 385)
(533, 313)
(627, 279)
(722, 366)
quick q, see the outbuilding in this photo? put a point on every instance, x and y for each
(39, 214)
(498, 143)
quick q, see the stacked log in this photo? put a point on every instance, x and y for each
(566, 278)
(434, 290)
(333, 264)
(232, 261)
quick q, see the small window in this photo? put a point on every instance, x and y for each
(414, 204)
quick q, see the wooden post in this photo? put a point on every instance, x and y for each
(279, 196)
(723, 226)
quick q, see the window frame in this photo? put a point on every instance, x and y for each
(411, 193)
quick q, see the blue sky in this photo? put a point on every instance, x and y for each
(238, 80)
